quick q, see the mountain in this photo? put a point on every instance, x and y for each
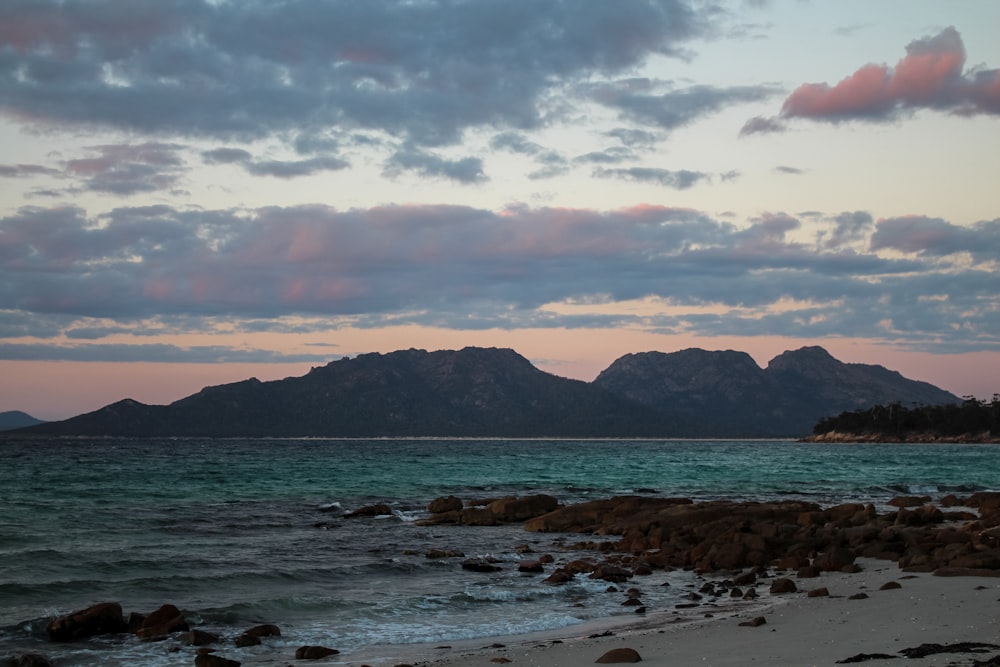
(497, 392)
(408, 393)
(730, 394)
(13, 419)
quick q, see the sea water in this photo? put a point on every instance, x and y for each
(241, 532)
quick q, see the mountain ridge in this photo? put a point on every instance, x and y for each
(482, 392)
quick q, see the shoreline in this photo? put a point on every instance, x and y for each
(799, 629)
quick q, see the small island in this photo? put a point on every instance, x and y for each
(971, 421)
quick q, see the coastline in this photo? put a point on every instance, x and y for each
(799, 629)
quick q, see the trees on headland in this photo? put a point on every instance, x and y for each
(971, 419)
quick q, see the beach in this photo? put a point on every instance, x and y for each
(799, 630)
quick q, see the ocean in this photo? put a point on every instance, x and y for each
(241, 532)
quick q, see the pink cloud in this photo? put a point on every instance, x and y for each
(929, 76)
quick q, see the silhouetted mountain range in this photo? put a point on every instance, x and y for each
(13, 419)
(497, 392)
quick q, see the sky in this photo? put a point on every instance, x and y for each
(195, 192)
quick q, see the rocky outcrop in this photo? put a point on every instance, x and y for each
(723, 535)
(502, 510)
(100, 619)
(163, 622)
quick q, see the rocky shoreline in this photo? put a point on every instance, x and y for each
(752, 549)
(910, 437)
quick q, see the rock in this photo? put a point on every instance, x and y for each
(378, 509)
(858, 596)
(244, 641)
(314, 652)
(754, 622)
(909, 501)
(834, 559)
(819, 592)
(890, 585)
(30, 660)
(509, 510)
(263, 630)
(530, 566)
(161, 623)
(212, 660)
(199, 638)
(479, 565)
(444, 504)
(619, 655)
(444, 553)
(100, 619)
(612, 573)
(783, 585)
(560, 576)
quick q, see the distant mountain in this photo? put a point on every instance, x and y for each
(470, 392)
(497, 392)
(730, 395)
(13, 419)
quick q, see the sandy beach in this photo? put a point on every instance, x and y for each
(799, 630)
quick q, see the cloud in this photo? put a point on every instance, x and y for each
(929, 76)
(155, 352)
(26, 171)
(422, 72)
(934, 237)
(762, 125)
(86, 279)
(128, 169)
(681, 180)
(409, 158)
(276, 168)
(785, 169)
(640, 99)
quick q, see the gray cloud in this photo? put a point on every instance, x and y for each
(26, 170)
(640, 100)
(409, 158)
(128, 169)
(423, 72)
(199, 354)
(681, 180)
(277, 168)
(167, 269)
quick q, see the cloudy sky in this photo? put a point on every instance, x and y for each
(195, 192)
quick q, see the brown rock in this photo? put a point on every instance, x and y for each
(314, 652)
(378, 509)
(444, 504)
(509, 510)
(560, 576)
(100, 619)
(858, 596)
(444, 553)
(819, 592)
(834, 559)
(479, 565)
(782, 585)
(530, 566)
(612, 573)
(199, 638)
(252, 636)
(161, 623)
(212, 660)
(909, 501)
(890, 585)
(620, 655)
(754, 622)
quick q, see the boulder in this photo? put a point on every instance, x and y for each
(620, 655)
(161, 623)
(199, 638)
(834, 559)
(444, 504)
(783, 585)
(101, 619)
(444, 553)
(378, 509)
(530, 566)
(314, 652)
(754, 622)
(510, 510)
(263, 630)
(212, 660)
(480, 565)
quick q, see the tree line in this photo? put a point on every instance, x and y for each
(970, 416)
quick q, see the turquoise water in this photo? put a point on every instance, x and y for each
(238, 532)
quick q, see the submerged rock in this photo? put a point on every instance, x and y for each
(104, 618)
